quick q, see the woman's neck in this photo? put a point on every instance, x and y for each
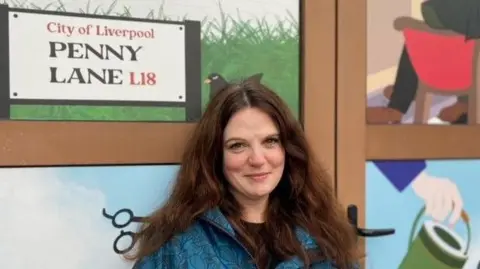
(254, 211)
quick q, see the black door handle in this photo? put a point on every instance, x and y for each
(352, 212)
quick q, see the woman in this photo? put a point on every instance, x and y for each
(248, 195)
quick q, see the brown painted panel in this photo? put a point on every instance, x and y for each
(351, 83)
(422, 142)
(53, 143)
(319, 80)
(25, 143)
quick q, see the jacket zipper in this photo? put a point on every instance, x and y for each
(233, 238)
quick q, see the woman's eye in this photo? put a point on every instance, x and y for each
(235, 146)
(271, 141)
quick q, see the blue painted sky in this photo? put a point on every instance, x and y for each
(65, 205)
(141, 188)
(387, 208)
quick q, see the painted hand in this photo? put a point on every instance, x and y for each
(441, 197)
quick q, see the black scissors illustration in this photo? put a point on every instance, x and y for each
(131, 218)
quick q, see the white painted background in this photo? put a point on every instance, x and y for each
(194, 9)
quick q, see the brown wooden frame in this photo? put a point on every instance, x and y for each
(319, 79)
(351, 103)
(82, 143)
(422, 142)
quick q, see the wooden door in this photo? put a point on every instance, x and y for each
(392, 172)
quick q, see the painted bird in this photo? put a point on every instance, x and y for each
(217, 82)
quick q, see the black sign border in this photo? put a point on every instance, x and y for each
(193, 99)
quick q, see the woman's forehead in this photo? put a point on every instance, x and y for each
(250, 122)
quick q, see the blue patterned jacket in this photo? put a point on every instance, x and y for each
(211, 243)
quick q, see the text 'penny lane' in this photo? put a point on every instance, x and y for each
(79, 51)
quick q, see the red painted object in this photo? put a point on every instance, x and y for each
(442, 62)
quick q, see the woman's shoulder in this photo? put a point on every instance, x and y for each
(174, 253)
(309, 243)
(170, 255)
(331, 265)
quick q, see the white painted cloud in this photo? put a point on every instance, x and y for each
(50, 223)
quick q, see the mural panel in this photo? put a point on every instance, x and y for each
(433, 207)
(422, 62)
(76, 217)
(50, 78)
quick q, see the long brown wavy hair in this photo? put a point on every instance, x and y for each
(304, 197)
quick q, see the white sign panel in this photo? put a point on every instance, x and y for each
(55, 57)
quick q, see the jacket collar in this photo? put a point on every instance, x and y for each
(216, 217)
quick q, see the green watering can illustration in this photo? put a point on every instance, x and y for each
(436, 246)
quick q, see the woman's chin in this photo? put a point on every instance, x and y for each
(260, 194)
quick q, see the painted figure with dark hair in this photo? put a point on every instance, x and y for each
(461, 16)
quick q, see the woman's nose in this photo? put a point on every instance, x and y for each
(256, 157)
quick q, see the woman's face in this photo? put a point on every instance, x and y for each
(254, 158)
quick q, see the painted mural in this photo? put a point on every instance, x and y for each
(422, 61)
(433, 207)
(187, 49)
(76, 217)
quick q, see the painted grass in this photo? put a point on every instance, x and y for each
(99, 113)
(231, 46)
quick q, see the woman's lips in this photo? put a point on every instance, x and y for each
(258, 176)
